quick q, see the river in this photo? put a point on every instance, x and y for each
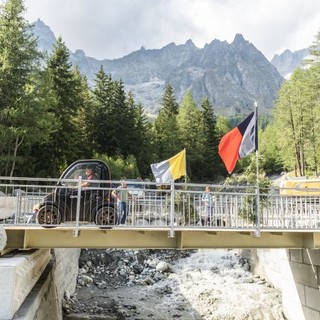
(152, 284)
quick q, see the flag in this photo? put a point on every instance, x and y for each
(239, 142)
(169, 170)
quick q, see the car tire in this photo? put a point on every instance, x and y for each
(106, 217)
(49, 216)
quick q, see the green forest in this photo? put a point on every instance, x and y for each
(50, 117)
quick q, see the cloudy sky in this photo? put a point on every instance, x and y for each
(113, 28)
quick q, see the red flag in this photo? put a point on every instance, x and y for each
(239, 142)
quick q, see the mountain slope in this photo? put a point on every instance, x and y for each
(287, 61)
(232, 75)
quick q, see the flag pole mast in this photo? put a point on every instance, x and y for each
(257, 232)
(185, 165)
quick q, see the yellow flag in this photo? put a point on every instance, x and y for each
(171, 169)
(178, 165)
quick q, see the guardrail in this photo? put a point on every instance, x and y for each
(67, 203)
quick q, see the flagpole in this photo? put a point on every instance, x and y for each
(185, 165)
(257, 233)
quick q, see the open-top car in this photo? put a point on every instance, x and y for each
(80, 196)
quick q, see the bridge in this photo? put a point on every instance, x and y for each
(177, 215)
(49, 213)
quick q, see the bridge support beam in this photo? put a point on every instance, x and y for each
(118, 237)
(19, 272)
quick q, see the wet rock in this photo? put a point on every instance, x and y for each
(162, 266)
(147, 282)
(84, 280)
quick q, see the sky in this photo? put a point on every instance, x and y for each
(109, 29)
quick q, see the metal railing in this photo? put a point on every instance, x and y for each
(169, 206)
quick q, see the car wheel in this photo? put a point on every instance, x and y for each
(106, 216)
(49, 215)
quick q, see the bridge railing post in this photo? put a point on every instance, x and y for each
(172, 195)
(18, 208)
(76, 230)
(257, 213)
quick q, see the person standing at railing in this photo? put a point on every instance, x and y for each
(122, 195)
(213, 217)
(208, 203)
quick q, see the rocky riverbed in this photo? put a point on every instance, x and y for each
(170, 284)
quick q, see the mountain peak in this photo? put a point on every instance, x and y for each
(239, 39)
(169, 45)
(46, 38)
(39, 22)
(287, 61)
(189, 43)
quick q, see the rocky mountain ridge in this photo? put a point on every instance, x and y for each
(233, 75)
(287, 61)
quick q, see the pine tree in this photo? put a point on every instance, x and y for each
(314, 50)
(62, 149)
(84, 147)
(212, 164)
(124, 121)
(141, 137)
(165, 126)
(100, 117)
(22, 117)
(108, 114)
(189, 126)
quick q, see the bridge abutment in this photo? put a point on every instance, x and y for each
(33, 282)
(295, 272)
(19, 272)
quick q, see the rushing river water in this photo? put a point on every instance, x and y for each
(218, 285)
(207, 284)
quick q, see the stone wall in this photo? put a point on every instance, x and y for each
(62, 280)
(296, 273)
(66, 270)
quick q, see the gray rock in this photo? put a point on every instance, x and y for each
(162, 266)
(84, 280)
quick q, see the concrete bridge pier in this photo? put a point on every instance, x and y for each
(32, 283)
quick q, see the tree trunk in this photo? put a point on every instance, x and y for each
(15, 151)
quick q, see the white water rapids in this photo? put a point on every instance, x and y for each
(217, 286)
(210, 285)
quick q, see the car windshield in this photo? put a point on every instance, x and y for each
(132, 184)
(135, 186)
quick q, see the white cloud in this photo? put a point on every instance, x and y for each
(113, 28)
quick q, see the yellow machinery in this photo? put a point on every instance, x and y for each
(300, 187)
